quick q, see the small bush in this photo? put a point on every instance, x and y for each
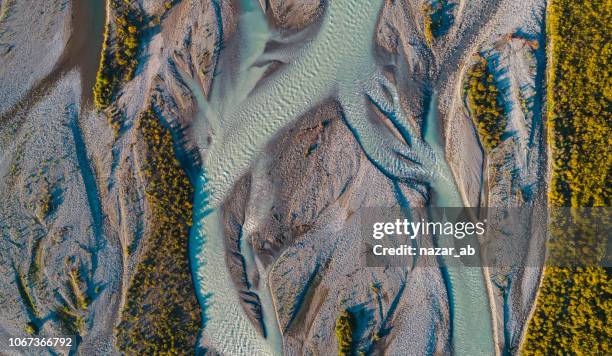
(36, 265)
(432, 23)
(437, 17)
(31, 328)
(75, 289)
(43, 206)
(344, 333)
(70, 320)
(26, 295)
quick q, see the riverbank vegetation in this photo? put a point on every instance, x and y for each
(72, 311)
(574, 307)
(119, 57)
(5, 9)
(483, 101)
(32, 326)
(26, 295)
(437, 18)
(43, 206)
(70, 319)
(36, 265)
(161, 313)
(344, 333)
(74, 284)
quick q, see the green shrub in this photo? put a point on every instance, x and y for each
(75, 289)
(432, 22)
(5, 7)
(36, 265)
(437, 18)
(70, 320)
(344, 333)
(26, 295)
(483, 102)
(30, 328)
(43, 205)
(119, 57)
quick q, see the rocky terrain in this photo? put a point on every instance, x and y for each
(77, 221)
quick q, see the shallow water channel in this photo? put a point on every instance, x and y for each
(472, 332)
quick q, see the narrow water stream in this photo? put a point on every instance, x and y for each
(471, 318)
(82, 51)
(85, 48)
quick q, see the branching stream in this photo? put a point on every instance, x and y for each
(337, 63)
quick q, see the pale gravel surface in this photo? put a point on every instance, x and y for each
(33, 35)
(45, 149)
(324, 263)
(330, 253)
